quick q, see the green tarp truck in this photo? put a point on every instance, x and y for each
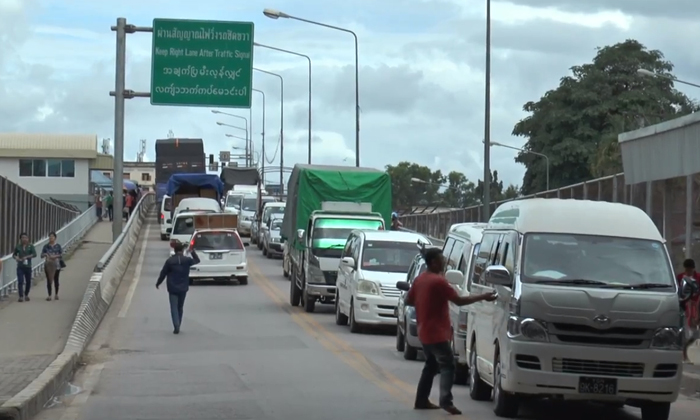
(324, 204)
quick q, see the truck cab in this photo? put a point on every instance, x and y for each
(315, 251)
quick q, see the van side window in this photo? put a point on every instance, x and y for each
(470, 273)
(447, 248)
(484, 257)
(509, 252)
(463, 264)
(497, 255)
(356, 250)
(455, 255)
(411, 271)
(347, 251)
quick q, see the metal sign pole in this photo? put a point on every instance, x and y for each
(118, 173)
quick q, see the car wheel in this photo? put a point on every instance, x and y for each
(309, 301)
(163, 237)
(505, 404)
(409, 352)
(260, 245)
(243, 281)
(264, 250)
(656, 411)
(355, 328)
(294, 292)
(400, 343)
(285, 272)
(340, 318)
(478, 389)
(269, 255)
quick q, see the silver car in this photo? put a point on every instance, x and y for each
(272, 239)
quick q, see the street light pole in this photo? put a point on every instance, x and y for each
(276, 14)
(546, 158)
(214, 111)
(487, 120)
(281, 122)
(309, 60)
(647, 73)
(263, 133)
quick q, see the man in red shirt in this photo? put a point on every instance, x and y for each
(430, 295)
(692, 306)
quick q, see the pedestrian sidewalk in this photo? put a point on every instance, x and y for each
(33, 333)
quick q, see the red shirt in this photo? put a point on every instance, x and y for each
(431, 294)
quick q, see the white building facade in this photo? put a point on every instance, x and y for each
(50, 165)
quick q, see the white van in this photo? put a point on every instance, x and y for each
(165, 219)
(587, 308)
(461, 245)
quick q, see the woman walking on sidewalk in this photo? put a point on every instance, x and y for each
(24, 252)
(53, 255)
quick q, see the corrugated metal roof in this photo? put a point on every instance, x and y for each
(48, 141)
(52, 145)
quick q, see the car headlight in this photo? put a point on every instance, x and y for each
(527, 329)
(366, 287)
(667, 339)
(411, 313)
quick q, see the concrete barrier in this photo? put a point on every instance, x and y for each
(96, 300)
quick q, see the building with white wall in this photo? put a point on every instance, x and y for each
(50, 165)
(144, 173)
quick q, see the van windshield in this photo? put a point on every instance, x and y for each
(329, 235)
(563, 258)
(183, 226)
(388, 256)
(234, 201)
(248, 204)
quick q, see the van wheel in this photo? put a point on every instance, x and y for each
(505, 404)
(340, 318)
(656, 411)
(285, 273)
(264, 250)
(259, 243)
(400, 344)
(309, 302)
(294, 292)
(354, 326)
(409, 352)
(478, 389)
(269, 255)
(243, 281)
(163, 237)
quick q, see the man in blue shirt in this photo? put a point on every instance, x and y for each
(177, 271)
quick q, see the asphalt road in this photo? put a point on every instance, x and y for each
(244, 353)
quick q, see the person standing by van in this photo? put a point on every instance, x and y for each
(692, 306)
(177, 270)
(430, 295)
(24, 252)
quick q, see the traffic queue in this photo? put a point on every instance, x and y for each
(579, 305)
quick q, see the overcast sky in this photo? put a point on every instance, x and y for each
(421, 75)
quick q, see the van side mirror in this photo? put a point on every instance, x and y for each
(498, 275)
(403, 286)
(454, 277)
(348, 262)
(300, 234)
(689, 288)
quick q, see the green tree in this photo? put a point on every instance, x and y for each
(458, 191)
(406, 189)
(496, 189)
(576, 125)
(511, 192)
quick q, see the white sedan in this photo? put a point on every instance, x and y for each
(222, 254)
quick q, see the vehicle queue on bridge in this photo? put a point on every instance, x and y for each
(586, 305)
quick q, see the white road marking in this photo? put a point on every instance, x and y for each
(137, 276)
(92, 376)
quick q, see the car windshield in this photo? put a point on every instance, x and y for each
(276, 224)
(272, 210)
(167, 204)
(217, 241)
(330, 235)
(596, 260)
(248, 204)
(234, 201)
(183, 226)
(388, 256)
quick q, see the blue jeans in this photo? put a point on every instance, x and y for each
(177, 304)
(24, 280)
(438, 359)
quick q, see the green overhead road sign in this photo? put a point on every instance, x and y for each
(202, 63)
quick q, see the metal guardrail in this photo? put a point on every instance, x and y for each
(68, 236)
(435, 241)
(107, 257)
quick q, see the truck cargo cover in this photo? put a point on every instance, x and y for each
(239, 176)
(202, 181)
(310, 185)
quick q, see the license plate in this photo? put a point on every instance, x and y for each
(597, 386)
(215, 256)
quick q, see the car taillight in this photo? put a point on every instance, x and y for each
(192, 244)
(162, 216)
